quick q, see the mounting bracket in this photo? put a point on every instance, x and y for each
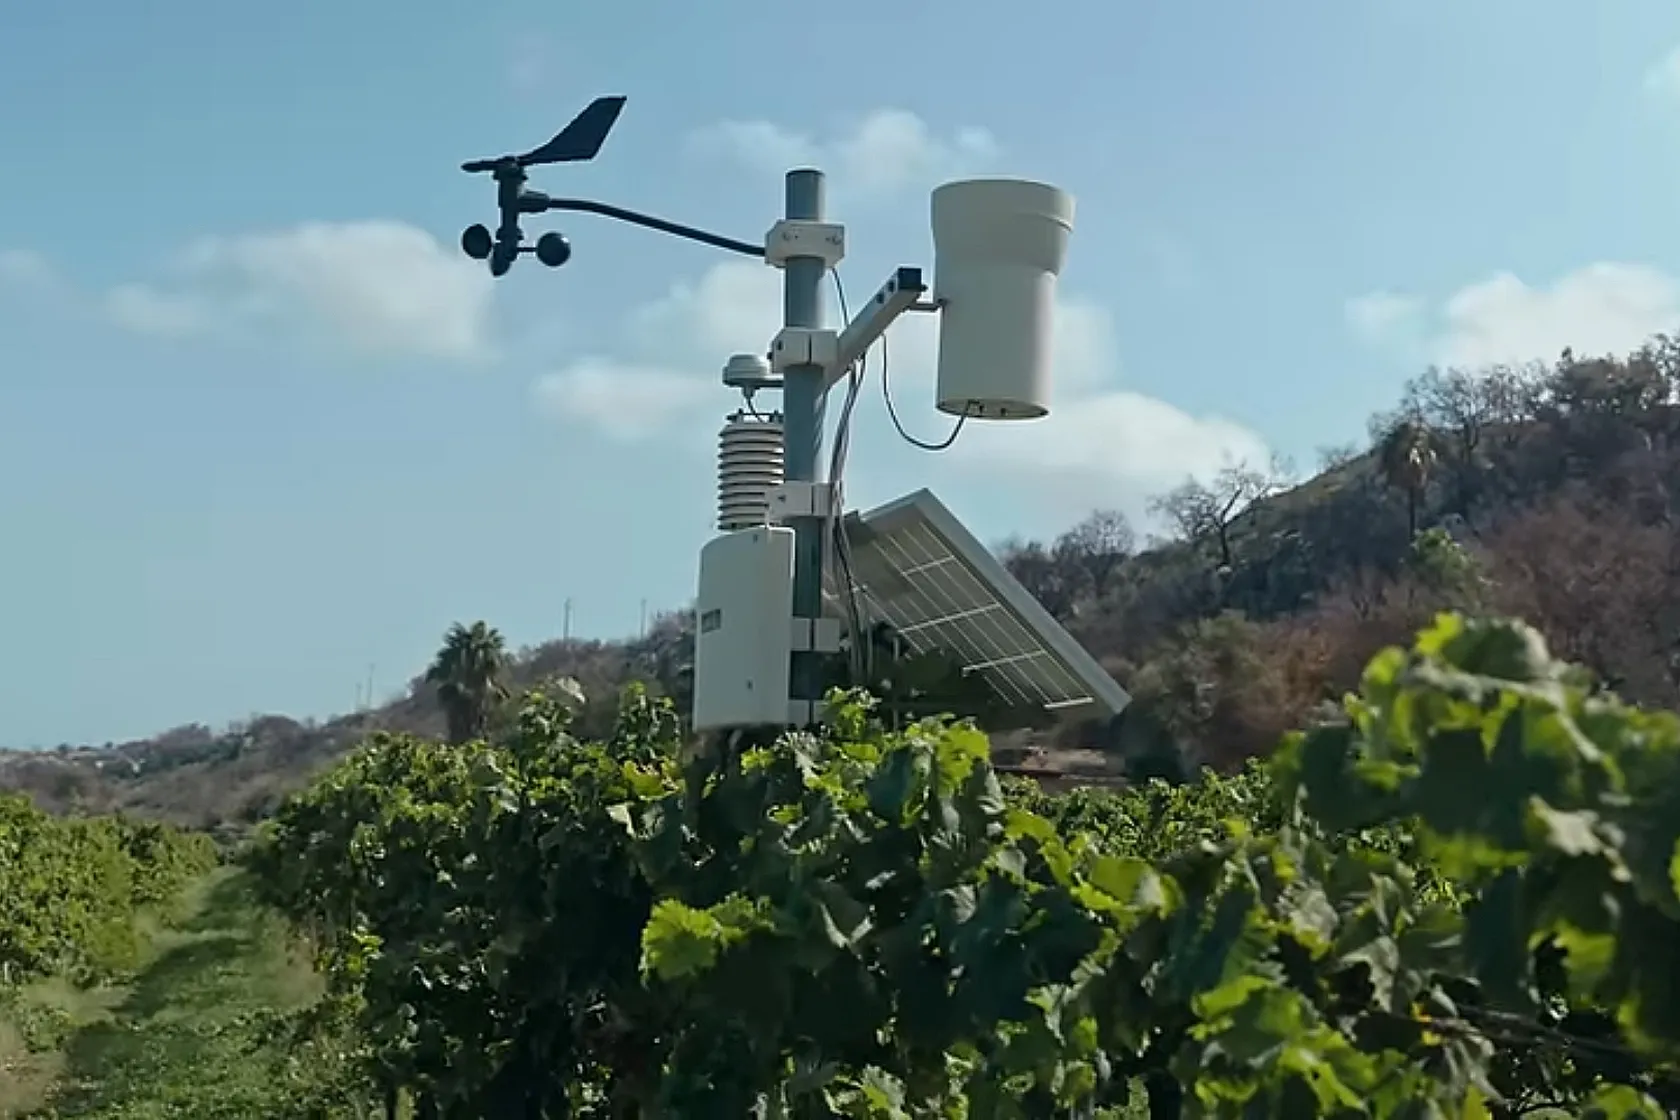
(803, 346)
(794, 237)
(902, 292)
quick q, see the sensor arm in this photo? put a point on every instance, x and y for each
(902, 292)
(533, 202)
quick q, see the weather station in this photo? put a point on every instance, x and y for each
(793, 578)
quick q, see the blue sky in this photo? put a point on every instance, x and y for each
(262, 427)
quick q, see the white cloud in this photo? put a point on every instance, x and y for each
(627, 403)
(1104, 443)
(1122, 444)
(669, 365)
(1141, 443)
(144, 310)
(376, 287)
(879, 153)
(735, 307)
(1380, 316)
(1604, 308)
(1601, 309)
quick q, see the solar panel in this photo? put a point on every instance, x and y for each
(919, 570)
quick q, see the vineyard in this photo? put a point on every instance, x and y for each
(72, 892)
(1461, 899)
(79, 901)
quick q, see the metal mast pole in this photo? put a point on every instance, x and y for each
(804, 393)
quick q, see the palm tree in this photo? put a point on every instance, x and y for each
(467, 672)
(1406, 457)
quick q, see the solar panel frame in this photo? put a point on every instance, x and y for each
(919, 569)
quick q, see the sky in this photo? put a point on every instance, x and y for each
(265, 431)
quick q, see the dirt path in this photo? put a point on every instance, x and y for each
(186, 1039)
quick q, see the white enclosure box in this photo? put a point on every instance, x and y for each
(998, 246)
(743, 629)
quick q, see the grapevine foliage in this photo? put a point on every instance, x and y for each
(1463, 900)
(72, 889)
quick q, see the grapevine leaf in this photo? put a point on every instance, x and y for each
(1674, 871)
(1496, 943)
(1131, 881)
(1567, 833)
(1620, 1102)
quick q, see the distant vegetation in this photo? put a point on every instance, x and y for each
(1489, 491)
(1544, 492)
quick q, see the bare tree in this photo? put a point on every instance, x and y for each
(1091, 553)
(1199, 510)
(1459, 408)
(1663, 354)
(1035, 569)
(1603, 587)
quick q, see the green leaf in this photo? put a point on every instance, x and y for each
(1131, 881)
(1496, 941)
(1569, 834)
(1620, 1102)
(1506, 650)
(1674, 871)
(680, 941)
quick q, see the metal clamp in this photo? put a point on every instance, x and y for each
(792, 237)
(792, 500)
(803, 346)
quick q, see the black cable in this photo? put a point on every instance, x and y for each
(859, 653)
(843, 427)
(892, 413)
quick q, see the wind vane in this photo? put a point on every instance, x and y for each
(578, 142)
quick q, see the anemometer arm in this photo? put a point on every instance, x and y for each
(540, 202)
(578, 142)
(905, 290)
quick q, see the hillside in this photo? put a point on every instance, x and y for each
(1543, 492)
